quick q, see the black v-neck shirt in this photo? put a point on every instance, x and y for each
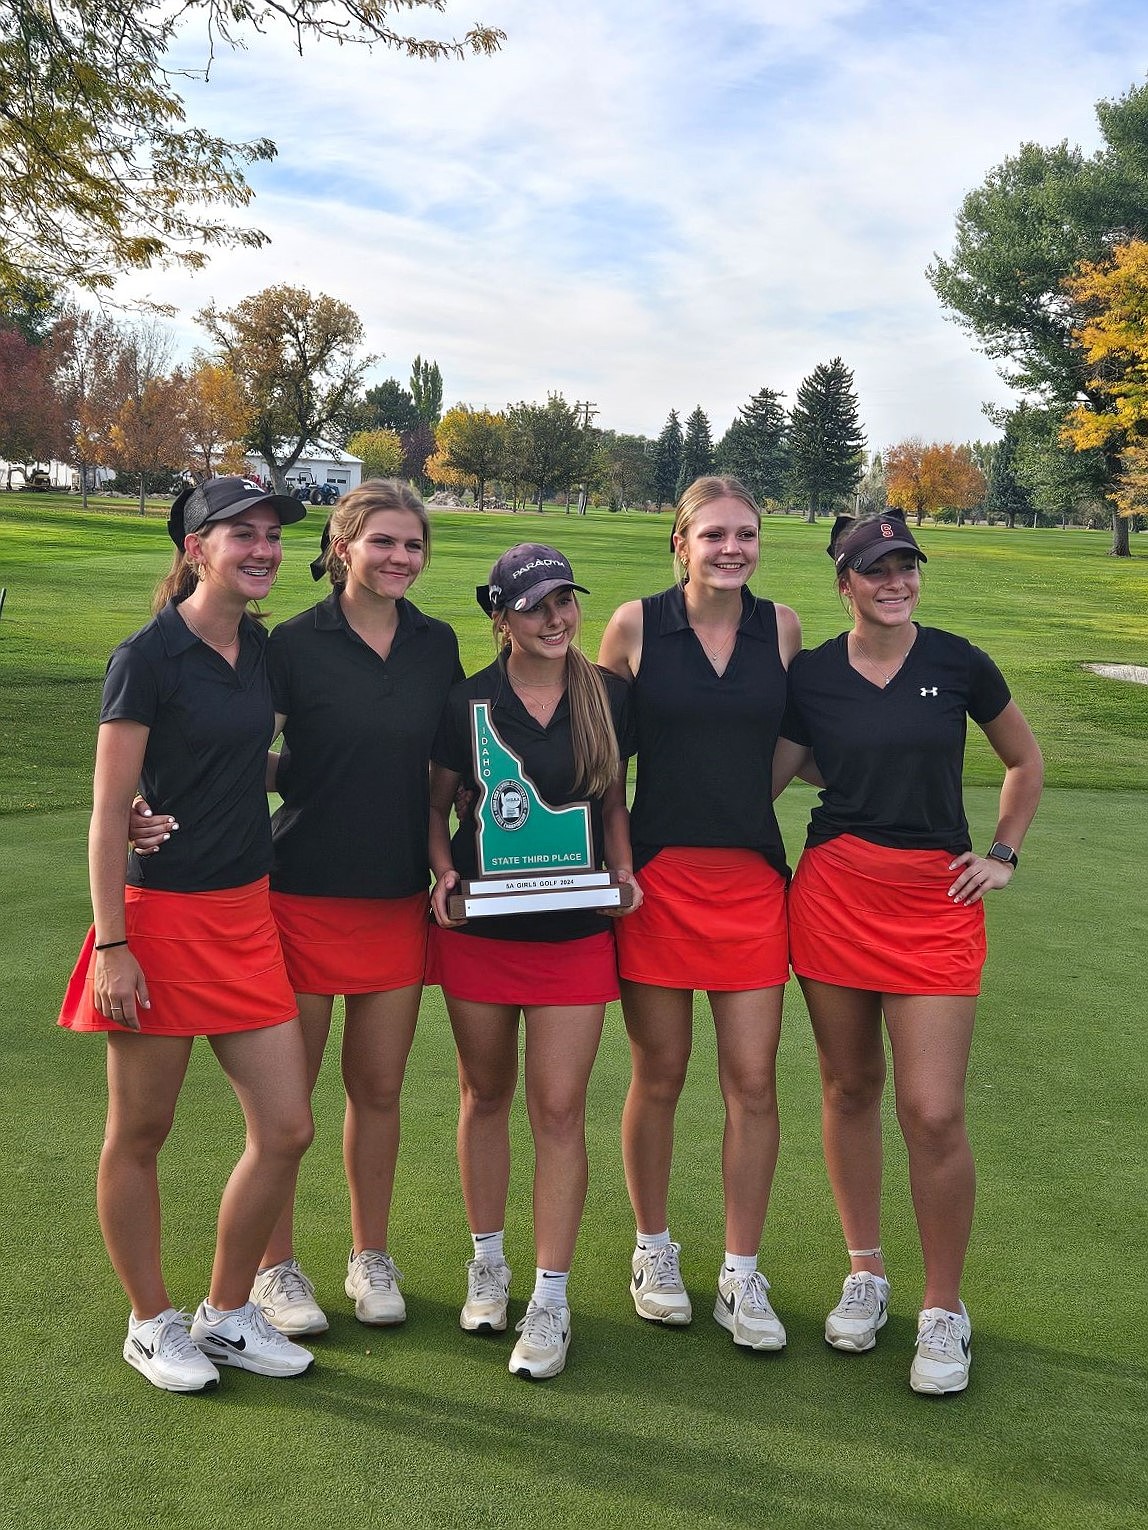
(892, 758)
(705, 741)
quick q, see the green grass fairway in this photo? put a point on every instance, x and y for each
(422, 1425)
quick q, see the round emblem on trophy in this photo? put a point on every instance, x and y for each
(508, 804)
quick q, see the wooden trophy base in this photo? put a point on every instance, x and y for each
(539, 893)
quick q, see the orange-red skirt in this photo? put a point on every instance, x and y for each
(710, 919)
(352, 945)
(523, 972)
(212, 961)
(865, 916)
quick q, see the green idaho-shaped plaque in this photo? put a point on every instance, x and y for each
(518, 833)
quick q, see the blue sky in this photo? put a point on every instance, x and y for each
(654, 204)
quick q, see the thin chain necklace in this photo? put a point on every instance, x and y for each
(545, 707)
(196, 633)
(715, 655)
(872, 662)
(527, 685)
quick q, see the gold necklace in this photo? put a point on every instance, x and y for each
(872, 662)
(215, 646)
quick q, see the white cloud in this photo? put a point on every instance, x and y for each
(661, 204)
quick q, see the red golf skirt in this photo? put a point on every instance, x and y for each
(212, 961)
(711, 919)
(523, 972)
(865, 916)
(352, 945)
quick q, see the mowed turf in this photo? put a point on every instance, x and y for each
(423, 1425)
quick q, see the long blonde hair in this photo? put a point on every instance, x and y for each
(350, 516)
(597, 758)
(702, 492)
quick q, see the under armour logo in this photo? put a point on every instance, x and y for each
(887, 530)
(925, 691)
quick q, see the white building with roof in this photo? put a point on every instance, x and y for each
(318, 463)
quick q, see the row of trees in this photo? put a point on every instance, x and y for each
(812, 455)
(287, 368)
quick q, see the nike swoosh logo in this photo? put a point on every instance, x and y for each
(731, 1302)
(639, 1280)
(221, 1338)
(966, 1347)
(143, 1349)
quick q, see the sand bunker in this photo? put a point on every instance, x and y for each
(1137, 673)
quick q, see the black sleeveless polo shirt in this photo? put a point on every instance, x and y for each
(706, 741)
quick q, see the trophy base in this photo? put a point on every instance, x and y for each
(541, 893)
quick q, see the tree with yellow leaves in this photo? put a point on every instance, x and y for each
(472, 444)
(217, 417)
(380, 451)
(1114, 339)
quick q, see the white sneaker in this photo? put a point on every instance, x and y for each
(288, 1299)
(246, 1340)
(487, 1291)
(862, 1310)
(657, 1287)
(743, 1308)
(541, 1351)
(944, 1352)
(161, 1349)
(373, 1285)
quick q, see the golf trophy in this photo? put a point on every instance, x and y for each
(532, 858)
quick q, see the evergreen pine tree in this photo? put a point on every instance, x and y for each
(826, 439)
(697, 450)
(668, 460)
(755, 448)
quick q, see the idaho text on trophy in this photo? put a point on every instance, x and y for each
(531, 857)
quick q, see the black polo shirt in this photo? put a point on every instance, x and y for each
(353, 773)
(206, 758)
(892, 758)
(705, 741)
(547, 755)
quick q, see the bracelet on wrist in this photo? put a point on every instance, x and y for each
(110, 945)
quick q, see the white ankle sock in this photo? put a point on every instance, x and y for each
(739, 1264)
(550, 1287)
(489, 1246)
(647, 1242)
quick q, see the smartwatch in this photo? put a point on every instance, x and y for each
(1002, 852)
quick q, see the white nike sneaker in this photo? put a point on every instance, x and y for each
(944, 1352)
(541, 1351)
(487, 1294)
(161, 1349)
(862, 1310)
(373, 1285)
(246, 1340)
(657, 1287)
(743, 1308)
(288, 1299)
